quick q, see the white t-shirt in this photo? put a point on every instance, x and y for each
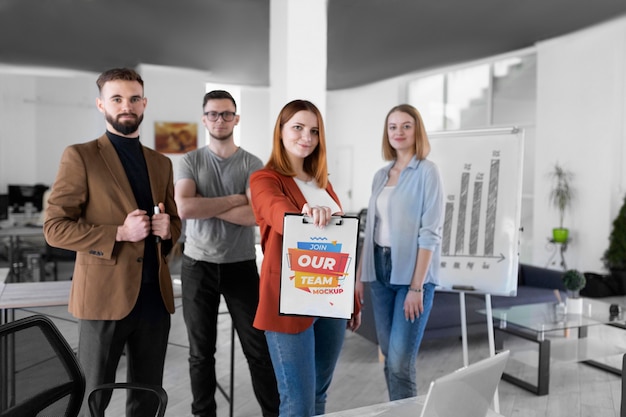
(382, 232)
(316, 196)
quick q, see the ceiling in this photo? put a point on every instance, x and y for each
(368, 40)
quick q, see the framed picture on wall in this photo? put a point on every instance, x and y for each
(175, 137)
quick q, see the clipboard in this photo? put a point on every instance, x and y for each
(318, 267)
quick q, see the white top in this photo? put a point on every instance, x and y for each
(382, 232)
(316, 196)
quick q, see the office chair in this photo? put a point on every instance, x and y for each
(159, 392)
(40, 375)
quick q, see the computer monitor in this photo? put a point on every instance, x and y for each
(4, 206)
(19, 195)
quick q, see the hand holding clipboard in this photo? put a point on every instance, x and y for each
(320, 215)
(318, 266)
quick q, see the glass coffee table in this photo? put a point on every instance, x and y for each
(549, 330)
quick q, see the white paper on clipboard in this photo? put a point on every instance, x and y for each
(318, 267)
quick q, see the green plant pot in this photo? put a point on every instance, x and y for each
(560, 235)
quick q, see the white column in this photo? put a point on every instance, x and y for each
(298, 33)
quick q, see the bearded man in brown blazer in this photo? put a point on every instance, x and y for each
(102, 206)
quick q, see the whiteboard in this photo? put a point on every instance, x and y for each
(482, 178)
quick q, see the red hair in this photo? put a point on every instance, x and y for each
(315, 164)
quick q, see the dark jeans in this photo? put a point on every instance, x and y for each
(202, 285)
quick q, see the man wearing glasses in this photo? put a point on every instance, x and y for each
(219, 257)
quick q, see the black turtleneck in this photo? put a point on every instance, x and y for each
(130, 153)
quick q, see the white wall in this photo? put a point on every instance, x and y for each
(580, 123)
(256, 122)
(354, 125)
(174, 95)
(40, 114)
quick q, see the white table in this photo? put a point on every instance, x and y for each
(401, 406)
(14, 295)
(32, 294)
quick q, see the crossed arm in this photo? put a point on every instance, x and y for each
(234, 208)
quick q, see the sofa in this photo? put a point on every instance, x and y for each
(535, 285)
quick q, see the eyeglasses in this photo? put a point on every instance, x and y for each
(228, 116)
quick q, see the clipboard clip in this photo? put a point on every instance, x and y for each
(338, 220)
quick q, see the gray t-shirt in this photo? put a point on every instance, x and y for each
(215, 240)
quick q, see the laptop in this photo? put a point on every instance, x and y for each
(467, 392)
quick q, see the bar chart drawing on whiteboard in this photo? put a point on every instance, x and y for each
(481, 173)
(467, 211)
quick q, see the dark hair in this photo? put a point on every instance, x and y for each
(314, 164)
(422, 145)
(124, 74)
(218, 95)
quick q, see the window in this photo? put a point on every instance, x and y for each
(497, 93)
(466, 98)
(514, 91)
(427, 95)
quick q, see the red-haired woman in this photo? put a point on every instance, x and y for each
(304, 350)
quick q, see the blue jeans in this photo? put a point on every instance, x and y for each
(398, 338)
(202, 285)
(304, 364)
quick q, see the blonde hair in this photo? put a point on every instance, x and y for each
(422, 145)
(315, 164)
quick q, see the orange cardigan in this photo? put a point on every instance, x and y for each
(273, 195)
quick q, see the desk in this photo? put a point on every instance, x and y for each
(14, 234)
(408, 407)
(14, 295)
(32, 294)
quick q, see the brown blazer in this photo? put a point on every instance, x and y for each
(273, 195)
(89, 200)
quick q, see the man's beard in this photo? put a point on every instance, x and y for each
(221, 137)
(127, 127)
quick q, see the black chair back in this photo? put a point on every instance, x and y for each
(40, 375)
(159, 393)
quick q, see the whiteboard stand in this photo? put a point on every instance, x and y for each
(492, 344)
(463, 328)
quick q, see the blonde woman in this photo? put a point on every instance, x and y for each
(401, 249)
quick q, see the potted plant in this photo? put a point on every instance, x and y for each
(561, 197)
(614, 258)
(574, 281)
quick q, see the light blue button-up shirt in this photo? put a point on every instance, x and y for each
(416, 213)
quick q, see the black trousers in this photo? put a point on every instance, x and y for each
(202, 285)
(144, 334)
